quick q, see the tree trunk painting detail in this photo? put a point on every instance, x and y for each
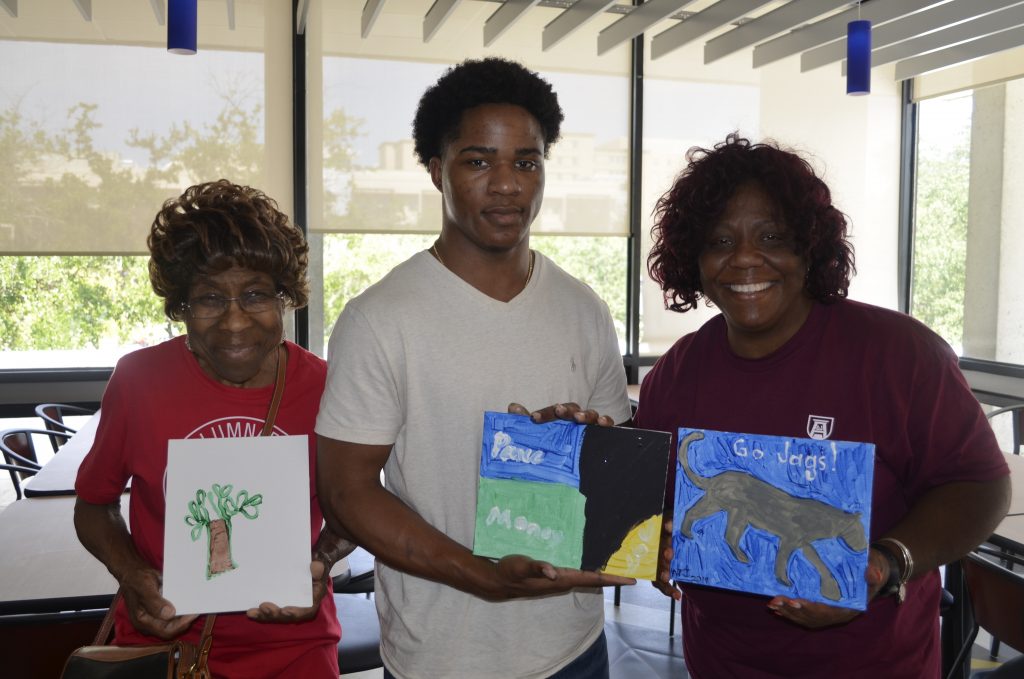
(218, 530)
(219, 557)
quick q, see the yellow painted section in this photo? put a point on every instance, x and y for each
(638, 555)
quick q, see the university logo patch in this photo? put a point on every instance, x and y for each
(819, 427)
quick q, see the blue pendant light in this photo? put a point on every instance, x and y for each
(858, 57)
(181, 26)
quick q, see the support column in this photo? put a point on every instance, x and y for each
(984, 220)
(1010, 332)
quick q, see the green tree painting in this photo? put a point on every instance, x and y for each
(218, 530)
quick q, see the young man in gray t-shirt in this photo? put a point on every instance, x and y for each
(474, 323)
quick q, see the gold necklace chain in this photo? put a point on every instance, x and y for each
(529, 271)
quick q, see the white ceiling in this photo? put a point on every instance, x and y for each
(918, 36)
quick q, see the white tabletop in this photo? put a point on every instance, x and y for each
(57, 477)
(1016, 463)
(1010, 534)
(45, 568)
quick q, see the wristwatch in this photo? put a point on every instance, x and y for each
(901, 565)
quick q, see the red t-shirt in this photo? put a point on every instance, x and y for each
(160, 393)
(870, 375)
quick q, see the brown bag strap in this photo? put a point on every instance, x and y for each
(275, 401)
(107, 626)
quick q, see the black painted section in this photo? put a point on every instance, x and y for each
(622, 475)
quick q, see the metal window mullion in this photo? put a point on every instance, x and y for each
(908, 174)
(299, 183)
(635, 241)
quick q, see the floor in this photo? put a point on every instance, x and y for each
(637, 631)
(645, 610)
(980, 657)
(638, 643)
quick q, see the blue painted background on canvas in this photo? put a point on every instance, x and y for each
(806, 499)
(514, 447)
(575, 495)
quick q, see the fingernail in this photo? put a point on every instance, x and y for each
(535, 417)
(795, 604)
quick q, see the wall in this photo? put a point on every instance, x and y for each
(855, 145)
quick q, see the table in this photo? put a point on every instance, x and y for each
(1016, 463)
(57, 477)
(53, 593)
(1010, 534)
(45, 568)
(1010, 531)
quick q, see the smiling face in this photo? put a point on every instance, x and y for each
(237, 348)
(491, 177)
(749, 270)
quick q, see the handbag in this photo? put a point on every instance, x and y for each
(171, 660)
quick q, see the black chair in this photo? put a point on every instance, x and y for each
(358, 579)
(19, 450)
(18, 471)
(995, 596)
(1016, 411)
(359, 648)
(53, 415)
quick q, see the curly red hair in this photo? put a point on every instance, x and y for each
(688, 211)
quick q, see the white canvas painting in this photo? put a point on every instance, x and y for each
(236, 529)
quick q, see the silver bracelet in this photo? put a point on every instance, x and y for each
(907, 565)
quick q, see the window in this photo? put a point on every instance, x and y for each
(94, 136)
(852, 142)
(372, 204)
(968, 242)
(672, 125)
(89, 159)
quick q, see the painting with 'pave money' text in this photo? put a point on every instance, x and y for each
(578, 496)
(773, 515)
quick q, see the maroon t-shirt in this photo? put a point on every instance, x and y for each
(858, 373)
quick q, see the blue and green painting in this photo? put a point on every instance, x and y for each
(773, 515)
(578, 496)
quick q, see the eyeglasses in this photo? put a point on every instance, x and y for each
(215, 306)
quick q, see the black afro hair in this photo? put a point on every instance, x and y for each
(476, 82)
